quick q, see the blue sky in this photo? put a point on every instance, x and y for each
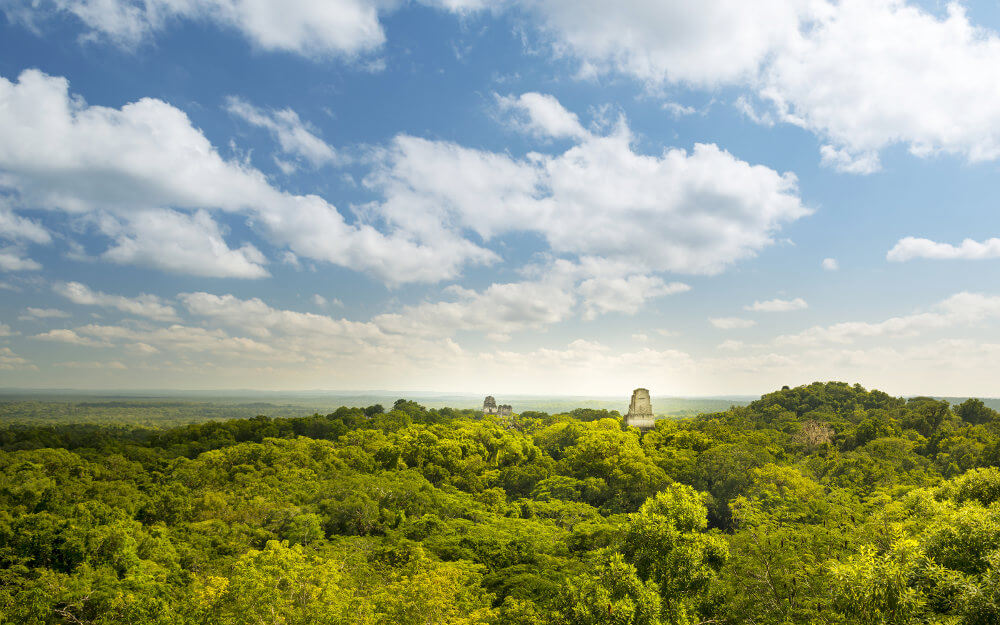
(524, 196)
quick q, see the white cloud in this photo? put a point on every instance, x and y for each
(959, 309)
(5, 330)
(843, 161)
(63, 335)
(778, 305)
(541, 115)
(263, 321)
(185, 340)
(314, 29)
(703, 43)
(860, 74)
(830, 264)
(872, 73)
(694, 212)
(731, 345)
(731, 323)
(12, 259)
(292, 135)
(909, 248)
(43, 313)
(678, 110)
(144, 305)
(93, 364)
(624, 294)
(57, 152)
(500, 309)
(10, 361)
(181, 243)
(17, 228)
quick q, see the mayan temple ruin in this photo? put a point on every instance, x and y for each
(640, 411)
(490, 407)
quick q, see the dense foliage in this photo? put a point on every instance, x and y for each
(819, 504)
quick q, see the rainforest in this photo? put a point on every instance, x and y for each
(825, 503)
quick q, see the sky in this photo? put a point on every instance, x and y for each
(519, 196)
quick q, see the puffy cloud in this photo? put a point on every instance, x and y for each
(694, 212)
(337, 27)
(10, 361)
(17, 228)
(541, 115)
(871, 73)
(959, 309)
(12, 259)
(843, 161)
(31, 313)
(93, 364)
(178, 338)
(57, 152)
(497, 310)
(5, 330)
(624, 294)
(261, 320)
(778, 305)
(64, 335)
(731, 323)
(704, 43)
(289, 131)
(181, 243)
(144, 305)
(861, 74)
(830, 264)
(909, 248)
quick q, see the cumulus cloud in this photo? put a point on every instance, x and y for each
(860, 74)
(499, 310)
(190, 244)
(314, 29)
(32, 313)
(778, 305)
(689, 212)
(872, 73)
(10, 361)
(541, 115)
(16, 228)
(909, 248)
(731, 323)
(150, 306)
(704, 43)
(56, 152)
(64, 335)
(13, 259)
(843, 161)
(292, 135)
(261, 320)
(830, 264)
(959, 309)
(624, 294)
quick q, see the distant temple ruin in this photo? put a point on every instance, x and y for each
(640, 411)
(490, 408)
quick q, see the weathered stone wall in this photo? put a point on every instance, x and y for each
(640, 410)
(489, 405)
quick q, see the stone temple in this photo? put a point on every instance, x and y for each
(640, 411)
(490, 407)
